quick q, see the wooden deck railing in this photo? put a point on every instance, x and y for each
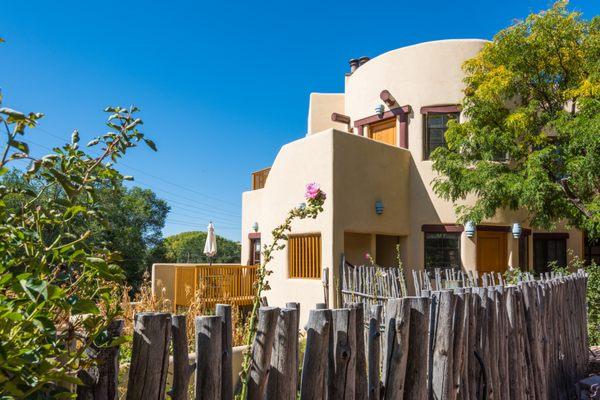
(212, 284)
(259, 178)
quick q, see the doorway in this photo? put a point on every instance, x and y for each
(491, 251)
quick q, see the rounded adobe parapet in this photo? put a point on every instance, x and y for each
(424, 74)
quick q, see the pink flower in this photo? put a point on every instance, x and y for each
(313, 190)
(367, 256)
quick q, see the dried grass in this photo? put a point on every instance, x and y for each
(145, 301)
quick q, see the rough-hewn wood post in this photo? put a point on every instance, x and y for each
(374, 352)
(296, 306)
(209, 353)
(503, 348)
(443, 345)
(182, 370)
(316, 358)
(361, 384)
(101, 382)
(341, 386)
(262, 348)
(461, 331)
(149, 356)
(284, 367)
(224, 311)
(511, 323)
(397, 347)
(415, 386)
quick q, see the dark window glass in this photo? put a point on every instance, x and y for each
(546, 251)
(592, 251)
(442, 250)
(254, 251)
(435, 128)
(524, 253)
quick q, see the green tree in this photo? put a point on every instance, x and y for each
(59, 289)
(134, 218)
(189, 247)
(531, 139)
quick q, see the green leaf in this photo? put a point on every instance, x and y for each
(83, 306)
(36, 289)
(150, 144)
(22, 146)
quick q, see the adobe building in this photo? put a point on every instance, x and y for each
(369, 150)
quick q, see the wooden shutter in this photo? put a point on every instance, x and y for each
(384, 131)
(304, 256)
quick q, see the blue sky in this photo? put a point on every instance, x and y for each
(221, 85)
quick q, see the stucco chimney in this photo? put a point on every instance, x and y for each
(363, 60)
(353, 64)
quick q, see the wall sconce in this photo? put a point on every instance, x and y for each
(379, 109)
(470, 229)
(517, 230)
(255, 227)
(379, 207)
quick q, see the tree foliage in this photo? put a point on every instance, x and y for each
(59, 288)
(189, 247)
(531, 139)
(134, 218)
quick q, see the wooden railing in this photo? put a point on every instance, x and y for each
(259, 178)
(212, 284)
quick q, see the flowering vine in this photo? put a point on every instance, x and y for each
(315, 198)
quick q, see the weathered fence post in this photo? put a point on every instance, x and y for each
(262, 348)
(316, 357)
(296, 378)
(101, 381)
(503, 348)
(224, 311)
(415, 386)
(182, 370)
(442, 378)
(374, 352)
(461, 331)
(209, 353)
(282, 382)
(149, 356)
(341, 386)
(361, 384)
(397, 347)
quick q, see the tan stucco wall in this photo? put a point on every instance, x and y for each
(306, 160)
(321, 106)
(362, 171)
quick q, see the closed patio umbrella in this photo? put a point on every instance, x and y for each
(210, 246)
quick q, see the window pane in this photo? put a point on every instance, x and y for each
(442, 250)
(437, 124)
(546, 251)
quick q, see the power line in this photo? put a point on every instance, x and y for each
(154, 176)
(189, 206)
(185, 206)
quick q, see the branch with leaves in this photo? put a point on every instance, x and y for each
(315, 199)
(57, 286)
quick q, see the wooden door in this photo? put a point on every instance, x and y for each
(491, 251)
(384, 131)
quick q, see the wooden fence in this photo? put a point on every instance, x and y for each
(371, 284)
(212, 284)
(523, 341)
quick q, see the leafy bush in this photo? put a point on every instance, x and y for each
(593, 298)
(58, 287)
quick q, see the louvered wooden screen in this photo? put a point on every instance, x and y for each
(304, 256)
